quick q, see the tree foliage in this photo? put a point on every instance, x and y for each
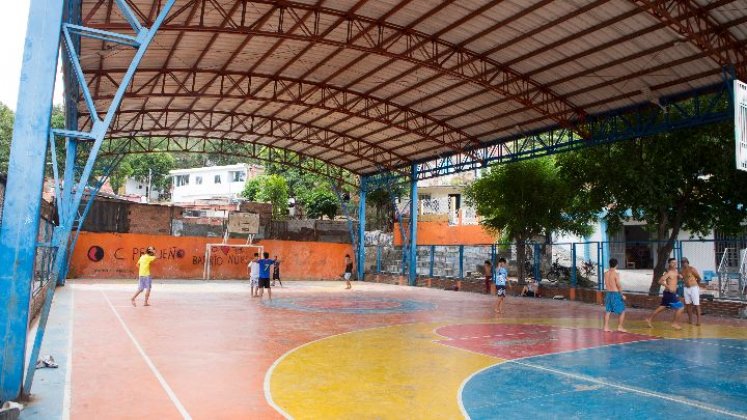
(141, 166)
(274, 189)
(7, 118)
(251, 188)
(683, 180)
(523, 200)
(321, 202)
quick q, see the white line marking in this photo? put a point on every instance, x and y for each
(67, 396)
(631, 389)
(150, 364)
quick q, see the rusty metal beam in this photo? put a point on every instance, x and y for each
(293, 91)
(411, 46)
(227, 147)
(693, 22)
(209, 122)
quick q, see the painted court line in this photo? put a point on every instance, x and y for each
(161, 380)
(67, 396)
(631, 389)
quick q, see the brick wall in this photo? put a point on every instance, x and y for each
(730, 309)
(151, 219)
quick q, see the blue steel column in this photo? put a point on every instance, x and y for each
(361, 250)
(21, 207)
(413, 263)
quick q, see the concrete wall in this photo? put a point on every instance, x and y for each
(108, 255)
(442, 233)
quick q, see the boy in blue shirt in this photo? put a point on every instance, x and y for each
(264, 274)
(501, 275)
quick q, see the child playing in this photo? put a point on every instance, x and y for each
(264, 274)
(144, 279)
(253, 267)
(348, 271)
(501, 274)
(614, 301)
(276, 272)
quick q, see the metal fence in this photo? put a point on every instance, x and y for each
(579, 264)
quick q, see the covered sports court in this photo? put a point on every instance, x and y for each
(392, 92)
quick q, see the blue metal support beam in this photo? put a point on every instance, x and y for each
(413, 252)
(21, 207)
(18, 233)
(361, 249)
(708, 105)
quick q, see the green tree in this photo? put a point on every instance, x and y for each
(321, 202)
(683, 180)
(523, 200)
(141, 166)
(251, 188)
(382, 201)
(7, 118)
(274, 190)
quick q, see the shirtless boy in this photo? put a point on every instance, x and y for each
(692, 290)
(669, 298)
(614, 301)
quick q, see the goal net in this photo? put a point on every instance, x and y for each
(229, 261)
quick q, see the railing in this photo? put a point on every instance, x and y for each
(574, 264)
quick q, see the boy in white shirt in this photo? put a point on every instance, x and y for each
(253, 267)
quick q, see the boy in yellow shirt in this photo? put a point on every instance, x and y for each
(144, 279)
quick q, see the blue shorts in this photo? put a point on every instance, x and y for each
(613, 302)
(671, 300)
(500, 290)
(144, 282)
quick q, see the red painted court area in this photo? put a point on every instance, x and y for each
(207, 350)
(517, 341)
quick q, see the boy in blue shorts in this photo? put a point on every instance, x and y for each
(144, 279)
(669, 299)
(501, 275)
(614, 301)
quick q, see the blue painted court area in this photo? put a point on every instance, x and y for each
(697, 378)
(350, 305)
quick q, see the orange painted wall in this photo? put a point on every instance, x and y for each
(441, 233)
(109, 255)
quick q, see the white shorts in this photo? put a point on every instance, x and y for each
(347, 276)
(254, 281)
(692, 295)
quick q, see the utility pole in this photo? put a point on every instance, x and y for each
(147, 190)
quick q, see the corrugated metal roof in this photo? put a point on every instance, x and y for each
(369, 85)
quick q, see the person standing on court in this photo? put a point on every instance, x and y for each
(254, 274)
(144, 281)
(614, 301)
(692, 290)
(264, 274)
(501, 275)
(348, 274)
(276, 272)
(669, 299)
(487, 269)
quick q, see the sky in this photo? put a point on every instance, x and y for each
(13, 33)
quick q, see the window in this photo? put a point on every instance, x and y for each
(217, 179)
(237, 176)
(182, 180)
(198, 180)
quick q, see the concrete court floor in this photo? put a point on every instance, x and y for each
(207, 350)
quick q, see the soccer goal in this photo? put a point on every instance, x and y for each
(230, 260)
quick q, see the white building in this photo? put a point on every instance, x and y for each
(211, 182)
(133, 187)
(442, 199)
